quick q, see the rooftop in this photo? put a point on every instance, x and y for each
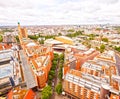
(108, 56)
(6, 70)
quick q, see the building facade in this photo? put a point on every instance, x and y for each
(38, 56)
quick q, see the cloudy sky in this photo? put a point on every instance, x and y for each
(57, 12)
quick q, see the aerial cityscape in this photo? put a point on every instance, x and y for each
(52, 49)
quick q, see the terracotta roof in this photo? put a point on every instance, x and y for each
(10, 94)
(30, 94)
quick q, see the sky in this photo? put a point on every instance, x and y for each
(59, 12)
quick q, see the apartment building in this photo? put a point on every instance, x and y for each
(79, 85)
(18, 93)
(97, 79)
(39, 57)
(10, 74)
(75, 56)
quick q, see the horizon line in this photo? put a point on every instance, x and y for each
(59, 24)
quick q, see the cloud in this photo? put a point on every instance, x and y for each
(37, 12)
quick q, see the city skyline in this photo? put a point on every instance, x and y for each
(57, 12)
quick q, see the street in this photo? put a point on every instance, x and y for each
(29, 78)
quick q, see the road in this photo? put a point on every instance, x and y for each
(118, 62)
(29, 78)
(117, 57)
(55, 81)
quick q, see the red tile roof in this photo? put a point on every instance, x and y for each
(30, 94)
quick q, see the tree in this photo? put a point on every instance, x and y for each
(98, 29)
(46, 92)
(58, 88)
(1, 38)
(41, 41)
(52, 72)
(50, 36)
(105, 39)
(70, 30)
(117, 48)
(50, 77)
(53, 67)
(62, 61)
(102, 48)
(97, 48)
(54, 62)
(61, 56)
(77, 33)
(56, 55)
(17, 38)
(49, 83)
(34, 37)
(91, 36)
(61, 65)
(60, 74)
(59, 34)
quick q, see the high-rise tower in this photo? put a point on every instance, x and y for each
(22, 32)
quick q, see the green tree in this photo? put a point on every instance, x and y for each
(56, 55)
(70, 30)
(49, 82)
(54, 62)
(50, 36)
(50, 77)
(52, 72)
(59, 34)
(117, 48)
(60, 74)
(1, 38)
(34, 37)
(105, 39)
(97, 48)
(98, 29)
(62, 61)
(102, 48)
(41, 41)
(77, 33)
(17, 38)
(58, 88)
(46, 92)
(61, 56)
(91, 36)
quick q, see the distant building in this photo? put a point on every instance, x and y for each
(8, 38)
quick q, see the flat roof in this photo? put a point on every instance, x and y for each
(52, 41)
(6, 70)
(65, 37)
(5, 54)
